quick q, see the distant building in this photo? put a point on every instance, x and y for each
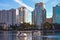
(23, 15)
(33, 17)
(40, 14)
(49, 20)
(56, 14)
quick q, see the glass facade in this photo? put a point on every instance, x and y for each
(56, 13)
(40, 14)
(56, 19)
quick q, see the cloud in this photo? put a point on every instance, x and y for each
(35, 1)
(4, 4)
(23, 4)
(52, 2)
(45, 1)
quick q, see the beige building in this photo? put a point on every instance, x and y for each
(49, 20)
(23, 15)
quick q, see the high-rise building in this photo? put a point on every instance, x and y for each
(8, 17)
(56, 14)
(11, 17)
(14, 16)
(3, 16)
(23, 15)
(40, 14)
(56, 19)
(33, 17)
(17, 17)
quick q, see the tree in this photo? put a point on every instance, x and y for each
(13, 27)
(1, 28)
(48, 26)
(32, 26)
(26, 26)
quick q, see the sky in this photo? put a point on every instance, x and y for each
(30, 5)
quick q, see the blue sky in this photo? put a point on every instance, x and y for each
(30, 4)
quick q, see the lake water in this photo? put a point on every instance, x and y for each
(15, 35)
(27, 35)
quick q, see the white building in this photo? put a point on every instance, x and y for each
(40, 14)
(17, 17)
(12, 17)
(3, 16)
(23, 15)
(8, 17)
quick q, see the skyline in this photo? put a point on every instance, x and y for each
(9, 4)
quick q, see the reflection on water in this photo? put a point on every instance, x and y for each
(24, 35)
(15, 35)
(7, 35)
(27, 35)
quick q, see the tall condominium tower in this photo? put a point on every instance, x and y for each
(23, 15)
(40, 14)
